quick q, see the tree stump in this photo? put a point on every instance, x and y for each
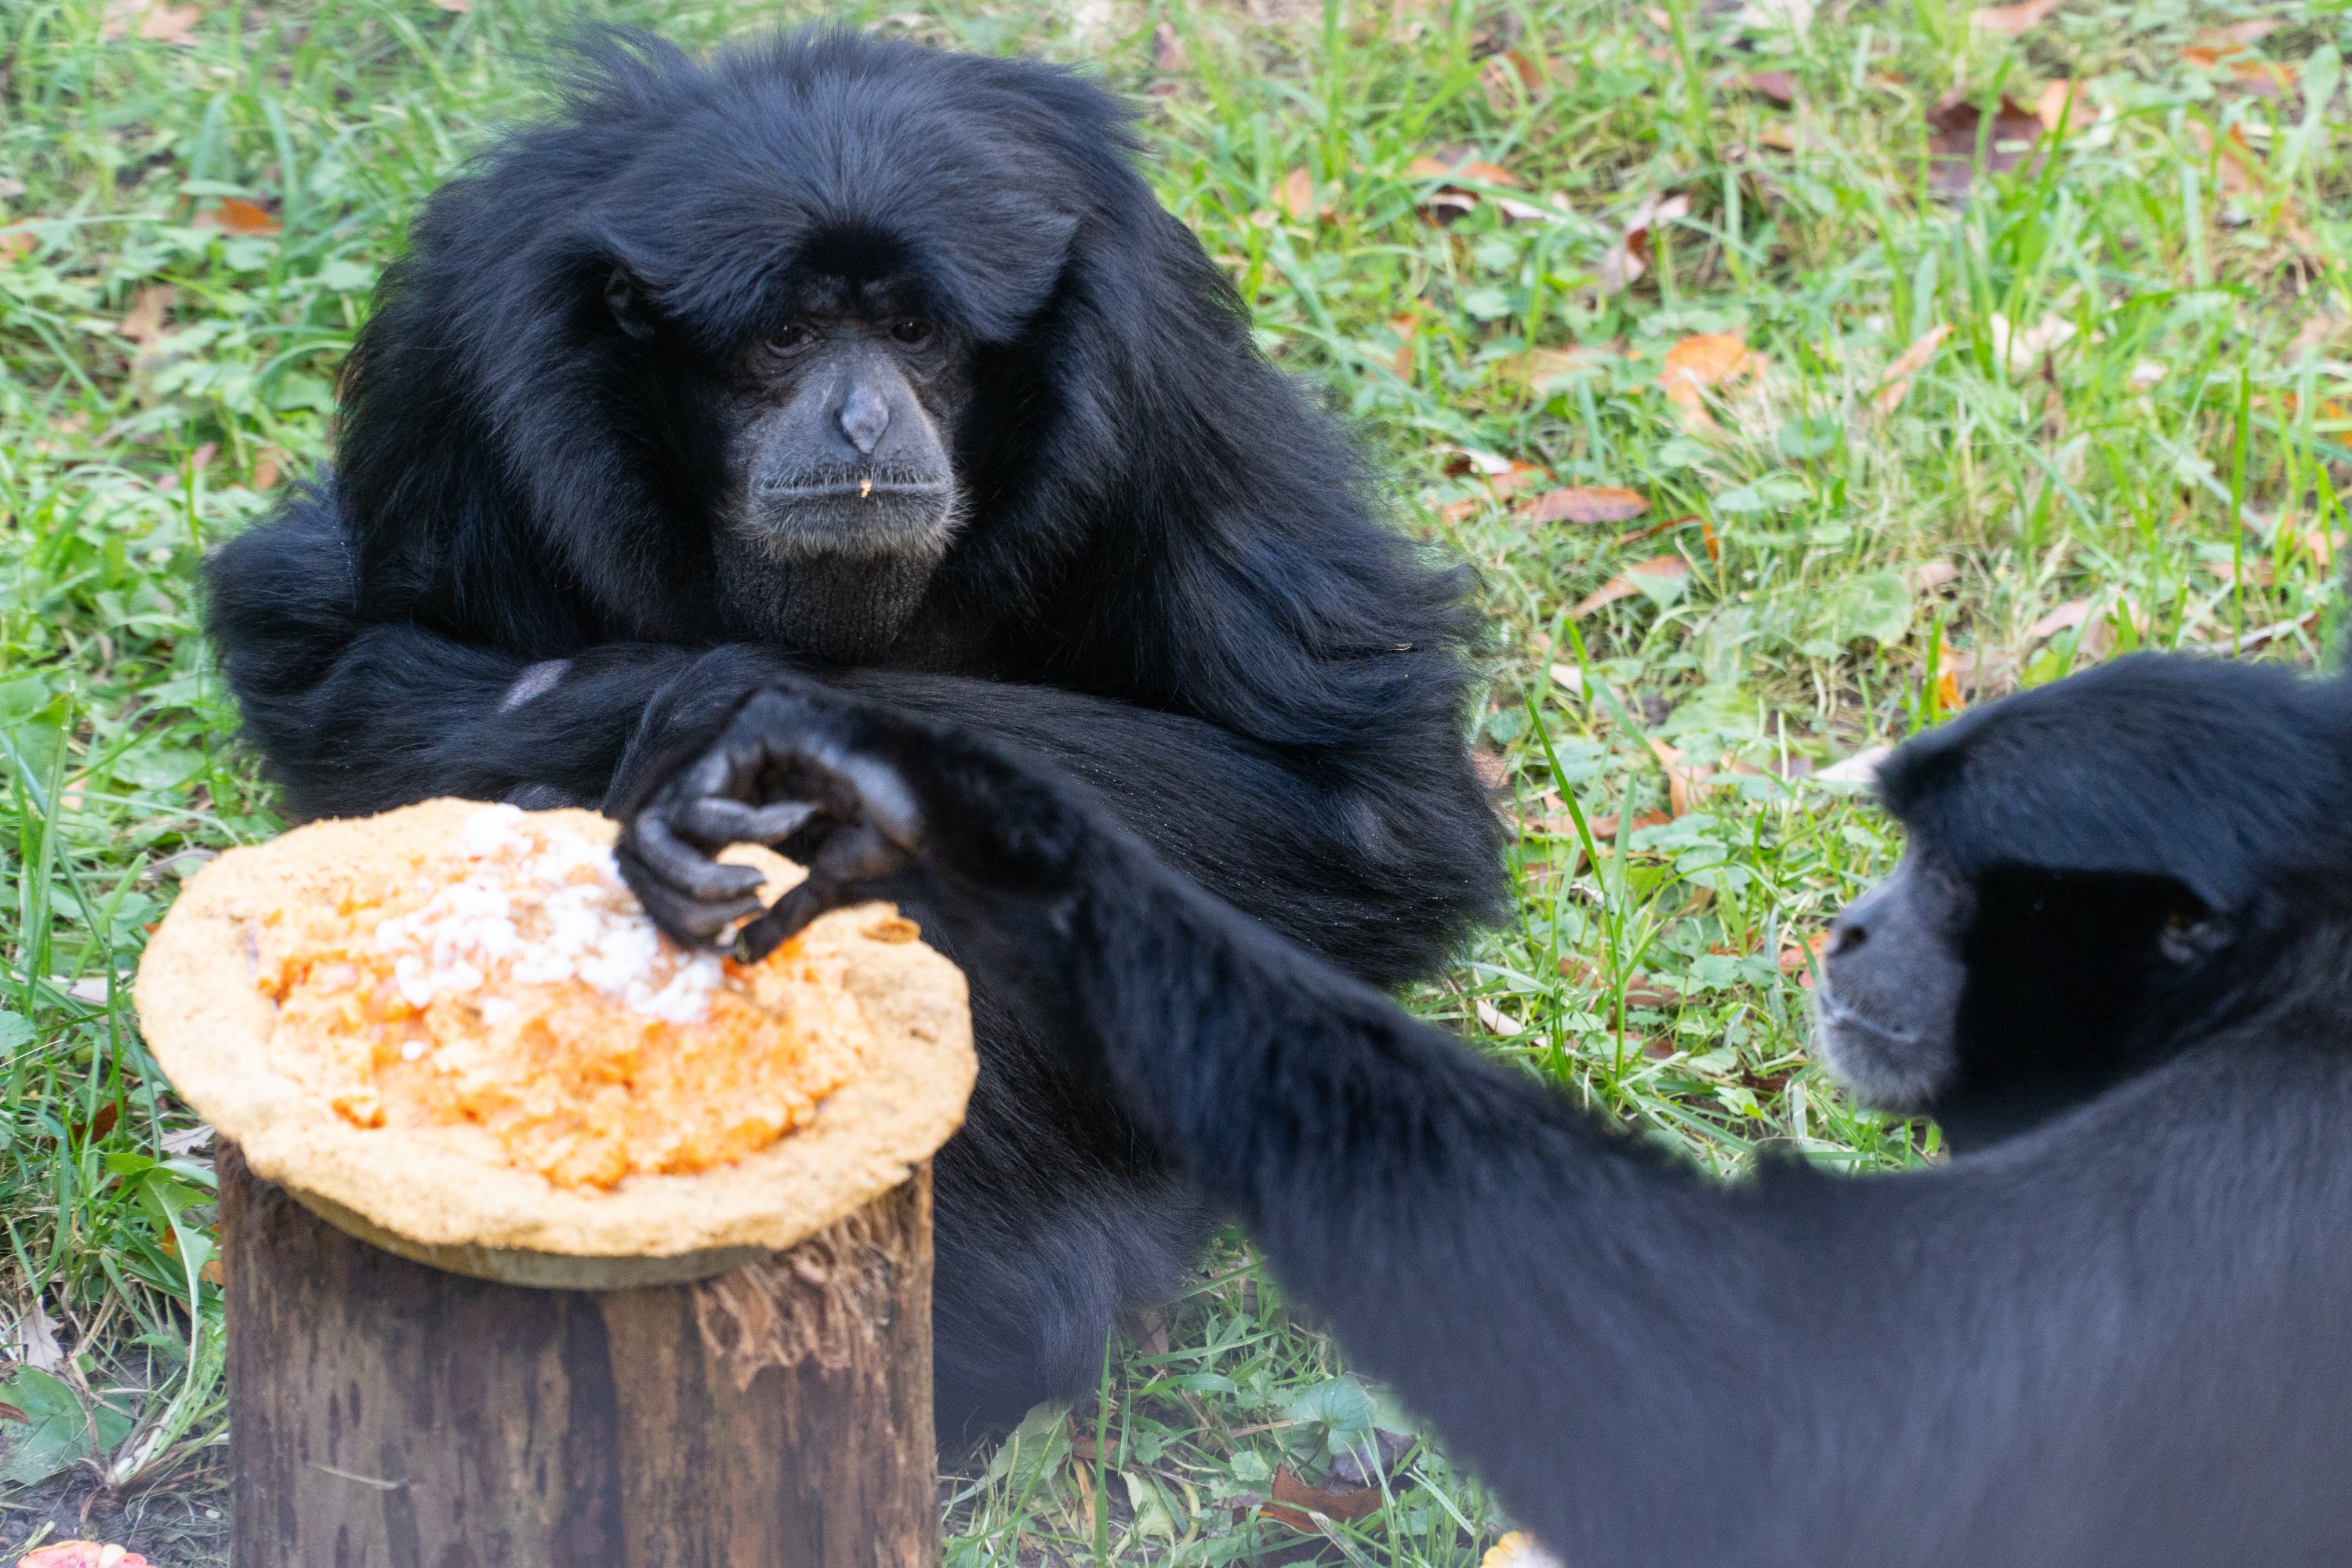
(388, 1415)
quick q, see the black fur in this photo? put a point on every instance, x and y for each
(2114, 1341)
(1167, 581)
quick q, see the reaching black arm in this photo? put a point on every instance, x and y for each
(2117, 1341)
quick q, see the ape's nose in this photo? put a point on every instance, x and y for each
(864, 415)
(1847, 934)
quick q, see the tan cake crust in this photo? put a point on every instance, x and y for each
(417, 1192)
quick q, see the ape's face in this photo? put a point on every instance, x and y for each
(839, 497)
(1994, 997)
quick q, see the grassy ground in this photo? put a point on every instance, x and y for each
(1694, 245)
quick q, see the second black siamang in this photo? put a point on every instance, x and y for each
(883, 365)
(2117, 1334)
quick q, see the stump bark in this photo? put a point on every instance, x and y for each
(387, 1414)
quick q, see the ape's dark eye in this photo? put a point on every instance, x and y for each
(796, 335)
(2189, 935)
(911, 330)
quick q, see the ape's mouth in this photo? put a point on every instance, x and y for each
(1884, 1064)
(866, 487)
(864, 517)
(1836, 1012)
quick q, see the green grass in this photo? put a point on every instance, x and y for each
(1838, 578)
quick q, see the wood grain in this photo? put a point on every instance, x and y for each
(386, 1414)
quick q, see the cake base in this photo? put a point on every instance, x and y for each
(384, 1411)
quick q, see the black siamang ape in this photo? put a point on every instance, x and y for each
(2121, 1338)
(882, 366)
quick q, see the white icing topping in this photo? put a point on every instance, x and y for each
(586, 925)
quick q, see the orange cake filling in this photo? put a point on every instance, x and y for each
(510, 983)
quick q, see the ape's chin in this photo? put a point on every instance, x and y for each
(1898, 1072)
(845, 608)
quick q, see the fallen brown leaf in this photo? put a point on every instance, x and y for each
(2238, 35)
(2260, 636)
(15, 244)
(1294, 1498)
(150, 309)
(1467, 168)
(152, 21)
(2022, 348)
(1630, 256)
(1492, 174)
(2061, 102)
(1952, 129)
(2258, 571)
(1641, 991)
(2323, 329)
(2011, 20)
(1509, 80)
(1518, 210)
(1605, 828)
(1516, 479)
(1622, 586)
(1585, 503)
(1544, 369)
(265, 472)
(1686, 783)
(1295, 194)
(1496, 1022)
(194, 463)
(1702, 362)
(1407, 329)
(236, 216)
(459, 6)
(2071, 614)
(1781, 87)
(1930, 575)
(1896, 384)
(2264, 79)
(2233, 157)
(1798, 960)
(1168, 55)
(1460, 460)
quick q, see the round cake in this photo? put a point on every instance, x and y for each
(451, 1031)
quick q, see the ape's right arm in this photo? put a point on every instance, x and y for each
(356, 718)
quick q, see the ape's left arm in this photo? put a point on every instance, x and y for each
(2115, 1346)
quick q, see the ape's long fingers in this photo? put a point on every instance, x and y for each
(845, 873)
(686, 868)
(792, 911)
(683, 917)
(716, 821)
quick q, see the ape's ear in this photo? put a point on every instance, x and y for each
(628, 303)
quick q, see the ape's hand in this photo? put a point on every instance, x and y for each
(792, 757)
